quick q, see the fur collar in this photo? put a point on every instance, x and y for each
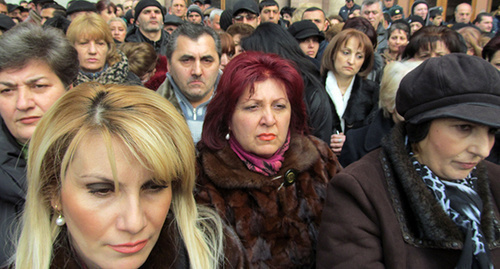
(422, 220)
(224, 166)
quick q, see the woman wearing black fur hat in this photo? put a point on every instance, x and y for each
(427, 198)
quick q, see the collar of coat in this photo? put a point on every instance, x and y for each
(224, 166)
(422, 220)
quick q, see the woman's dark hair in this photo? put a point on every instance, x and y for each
(272, 38)
(105, 5)
(27, 42)
(241, 74)
(491, 48)
(417, 132)
(427, 37)
(363, 25)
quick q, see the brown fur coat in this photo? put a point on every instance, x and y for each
(277, 224)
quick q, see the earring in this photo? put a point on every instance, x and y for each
(60, 221)
(227, 136)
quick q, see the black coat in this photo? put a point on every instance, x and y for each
(379, 213)
(362, 102)
(135, 35)
(360, 141)
(319, 109)
(12, 189)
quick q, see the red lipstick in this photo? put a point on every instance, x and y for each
(266, 137)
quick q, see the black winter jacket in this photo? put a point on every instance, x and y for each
(12, 189)
(160, 46)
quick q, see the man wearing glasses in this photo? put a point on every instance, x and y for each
(246, 12)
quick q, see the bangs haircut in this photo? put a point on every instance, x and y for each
(91, 26)
(338, 42)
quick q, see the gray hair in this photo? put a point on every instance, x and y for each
(214, 13)
(27, 42)
(193, 32)
(371, 2)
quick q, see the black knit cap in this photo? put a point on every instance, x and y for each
(452, 86)
(81, 5)
(147, 3)
(304, 29)
(416, 18)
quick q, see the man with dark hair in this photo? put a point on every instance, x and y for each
(436, 15)
(149, 21)
(347, 9)
(247, 12)
(193, 54)
(316, 15)
(51, 10)
(269, 11)
(484, 21)
(372, 11)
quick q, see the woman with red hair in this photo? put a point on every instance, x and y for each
(258, 167)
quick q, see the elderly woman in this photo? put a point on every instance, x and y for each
(347, 59)
(99, 59)
(30, 82)
(111, 178)
(257, 166)
(427, 198)
(433, 41)
(365, 139)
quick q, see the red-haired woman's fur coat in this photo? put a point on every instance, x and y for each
(276, 224)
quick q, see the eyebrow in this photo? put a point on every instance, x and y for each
(29, 81)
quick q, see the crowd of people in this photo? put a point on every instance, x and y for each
(138, 136)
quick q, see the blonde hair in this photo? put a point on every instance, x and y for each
(93, 27)
(154, 132)
(393, 74)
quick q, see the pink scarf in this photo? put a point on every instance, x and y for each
(266, 166)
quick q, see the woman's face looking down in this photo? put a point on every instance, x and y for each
(112, 226)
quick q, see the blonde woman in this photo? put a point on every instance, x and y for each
(99, 59)
(111, 174)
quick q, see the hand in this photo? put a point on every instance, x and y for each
(337, 142)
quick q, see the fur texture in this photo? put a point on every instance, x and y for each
(276, 224)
